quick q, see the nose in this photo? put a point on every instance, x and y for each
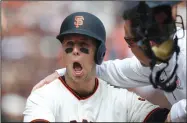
(76, 50)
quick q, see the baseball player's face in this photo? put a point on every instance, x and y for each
(78, 56)
(137, 51)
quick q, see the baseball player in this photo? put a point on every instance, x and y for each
(133, 72)
(78, 95)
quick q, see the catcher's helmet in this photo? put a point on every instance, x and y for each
(86, 24)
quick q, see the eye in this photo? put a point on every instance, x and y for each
(69, 44)
(129, 41)
(83, 44)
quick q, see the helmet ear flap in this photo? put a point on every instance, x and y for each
(100, 53)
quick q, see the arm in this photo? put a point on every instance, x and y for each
(38, 108)
(124, 73)
(139, 109)
(129, 72)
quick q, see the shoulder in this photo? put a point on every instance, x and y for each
(49, 90)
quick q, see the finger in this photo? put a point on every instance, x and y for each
(38, 85)
(51, 78)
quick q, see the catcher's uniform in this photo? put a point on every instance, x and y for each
(57, 102)
(130, 73)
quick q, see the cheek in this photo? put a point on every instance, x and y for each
(127, 29)
(139, 54)
(65, 59)
(88, 60)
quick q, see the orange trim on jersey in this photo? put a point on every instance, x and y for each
(40, 120)
(150, 114)
(77, 96)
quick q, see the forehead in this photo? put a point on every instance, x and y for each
(77, 37)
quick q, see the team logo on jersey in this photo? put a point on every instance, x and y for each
(78, 21)
(178, 82)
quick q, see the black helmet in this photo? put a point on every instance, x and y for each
(86, 24)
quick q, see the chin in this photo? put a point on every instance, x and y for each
(78, 79)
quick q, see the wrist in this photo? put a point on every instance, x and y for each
(168, 119)
(178, 111)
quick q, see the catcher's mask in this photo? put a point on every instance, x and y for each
(152, 23)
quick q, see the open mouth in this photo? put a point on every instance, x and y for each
(77, 68)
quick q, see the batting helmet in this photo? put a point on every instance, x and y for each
(86, 24)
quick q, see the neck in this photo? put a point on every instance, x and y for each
(82, 87)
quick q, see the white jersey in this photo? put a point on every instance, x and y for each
(56, 102)
(129, 72)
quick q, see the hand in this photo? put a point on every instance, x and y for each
(168, 118)
(178, 111)
(46, 80)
